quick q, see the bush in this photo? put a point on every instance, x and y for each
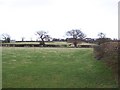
(98, 52)
(108, 52)
(102, 40)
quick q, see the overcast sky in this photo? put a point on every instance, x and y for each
(22, 18)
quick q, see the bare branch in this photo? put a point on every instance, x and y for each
(76, 34)
(101, 35)
(43, 36)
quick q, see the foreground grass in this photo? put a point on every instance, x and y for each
(54, 68)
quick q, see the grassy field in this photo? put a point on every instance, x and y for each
(54, 68)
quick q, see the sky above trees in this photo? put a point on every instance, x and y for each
(22, 18)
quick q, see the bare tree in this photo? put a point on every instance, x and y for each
(76, 34)
(23, 38)
(43, 36)
(6, 38)
(101, 35)
(102, 38)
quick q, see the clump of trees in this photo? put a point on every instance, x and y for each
(76, 34)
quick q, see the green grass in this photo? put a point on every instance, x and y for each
(54, 68)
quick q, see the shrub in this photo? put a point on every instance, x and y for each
(108, 52)
(102, 40)
(98, 52)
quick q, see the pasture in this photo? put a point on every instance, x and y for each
(54, 68)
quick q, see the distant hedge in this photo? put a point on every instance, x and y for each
(29, 45)
(46, 45)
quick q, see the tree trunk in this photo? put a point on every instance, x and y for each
(42, 42)
(75, 43)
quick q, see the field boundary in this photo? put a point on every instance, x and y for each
(46, 45)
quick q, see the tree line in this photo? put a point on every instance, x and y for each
(74, 36)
